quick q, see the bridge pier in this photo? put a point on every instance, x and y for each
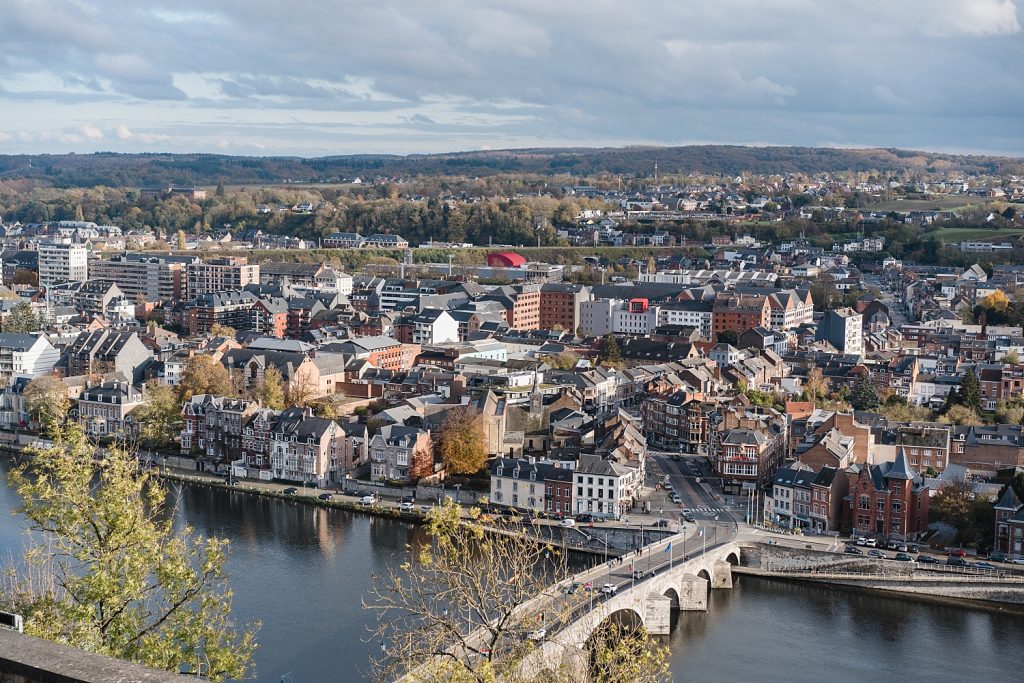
(658, 614)
(723, 575)
(693, 594)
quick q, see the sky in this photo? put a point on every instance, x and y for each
(320, 77)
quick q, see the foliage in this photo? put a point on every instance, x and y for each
(610, 351)
(459, 609)
(1010, 358)
(46, 400)
(323, 407)
(22, 318)
(204, 375)
(864, 395)
(815, 385)
(461, 442)
(1009, 412)
(952, 504)
(897, 409)
(219, 330)
(270, 392)
(969, 394)
(960, 415)
(566, 360)
(113, 575)
(160, 416)
(728, 337)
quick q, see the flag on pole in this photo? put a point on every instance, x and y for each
(700, 533)
(588, 585)
(668, 548)
(630, 566)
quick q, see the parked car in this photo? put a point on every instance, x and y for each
(998, 556)
(861, 540)
(903, 548)
(876, 553)
(407, 499)
(585, 518)
(676, 498)
(871, 543)
(325, 496)
(688, 516)
(538, 634)
(406, 506)
(568, 522)
(368, 500)
(853, 550)
(953, 561)
(903, 557)
(892, 545)
(959, 552)
(927, 559)
(609, 589)
(985, 565)
(1019, 560)
(290, 491)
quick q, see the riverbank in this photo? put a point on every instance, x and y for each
(596, 542)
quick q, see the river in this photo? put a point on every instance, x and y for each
(302, 572)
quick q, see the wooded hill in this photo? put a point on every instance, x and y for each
(141, 170)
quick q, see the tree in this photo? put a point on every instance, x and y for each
(1010, 358)
(969, 394)
(219, 330)
(566, 360)
(463, 581)
(159, 417)
(996, 301)
(610, 351)
(219, 192)
(728, 337)
(952, 504)
(323, 407)
(462, 445)
(960, 415)
(112, 574)
(864, 396)
(270, 393)
(1009, 412)
(182, 244)
(22, 318)
(300, 391)
(815, 384)
(46, 400)
(204, 375)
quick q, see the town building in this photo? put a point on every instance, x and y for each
(843, 329)
(143, 277)
(888, 500)
(62, 262)
(104, 352)
(104, 409)
(401, 454)
(220, 275)
(25, 355)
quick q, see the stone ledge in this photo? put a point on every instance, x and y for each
(25, 659)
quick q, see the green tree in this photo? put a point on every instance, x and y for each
(970, 391)
(864, 395)
(323, 407)
(159, 417)
(728, 337)
(22, 318)
(219, 192)
(204, 375)
(952, 504)
(111, 573)
(1009, 412)
(461, 442)
(182, 244)
(271, 391)
(219, 330)
(1010, 358)
(610, 351)
(46, 400)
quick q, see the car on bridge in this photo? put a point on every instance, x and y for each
(609, 589)
(538, 634)
(985, 565)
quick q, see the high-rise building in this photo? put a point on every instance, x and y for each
(843, 329)
(61, 262)
(151, 278)
(221, 275)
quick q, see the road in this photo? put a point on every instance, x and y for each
(685, 476)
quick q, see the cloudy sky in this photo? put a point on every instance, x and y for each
(315, 77)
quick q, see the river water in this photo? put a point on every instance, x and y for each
(302, 572)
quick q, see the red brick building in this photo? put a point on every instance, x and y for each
(888, 500)
(558, 491)
(560, 305)
(739, 313)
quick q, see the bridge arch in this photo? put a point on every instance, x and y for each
(733, 559)
(672, 594)
(612, 628)
(705, 574)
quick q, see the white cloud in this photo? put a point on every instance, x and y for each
(349, 76)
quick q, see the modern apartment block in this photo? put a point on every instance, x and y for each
(61, 262)
(221, 275)
(150, 278)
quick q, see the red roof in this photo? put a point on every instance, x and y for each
(505, 259)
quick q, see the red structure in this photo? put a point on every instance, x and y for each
(505, 259)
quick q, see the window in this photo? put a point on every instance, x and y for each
(880, 505)
(864, 503)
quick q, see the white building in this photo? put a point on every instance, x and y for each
(635, 317)
(62, 261)
(596, 316)
(604, 488)
(25, 355)
(434, 326)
